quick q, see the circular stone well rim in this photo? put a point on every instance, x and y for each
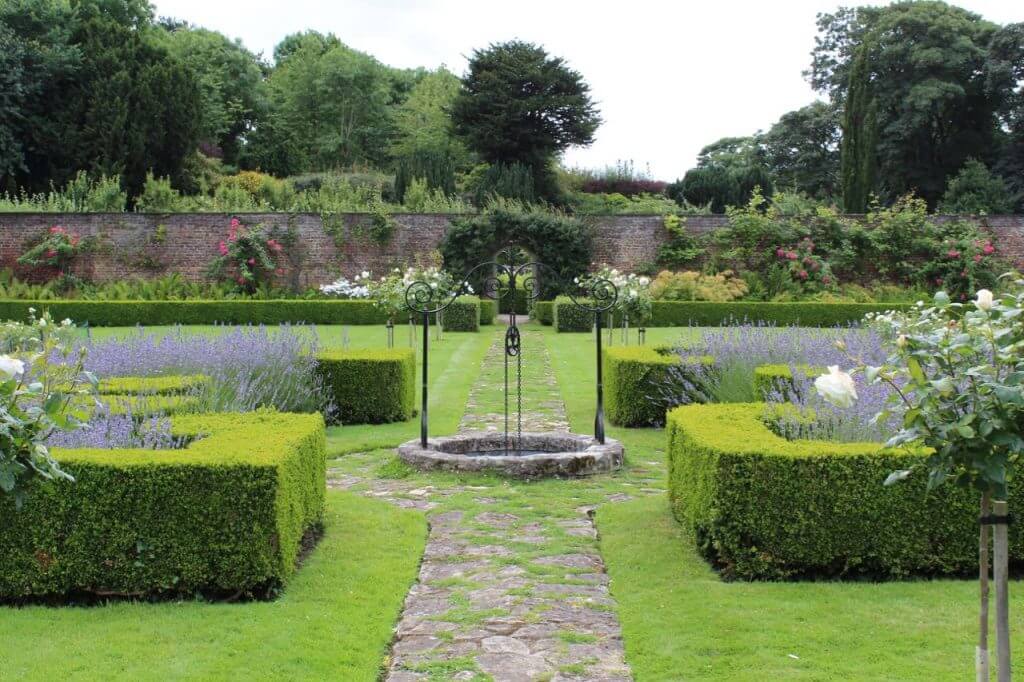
(562, 454)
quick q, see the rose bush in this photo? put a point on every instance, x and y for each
(247, 257)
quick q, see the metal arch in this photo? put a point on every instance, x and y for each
(603, 294)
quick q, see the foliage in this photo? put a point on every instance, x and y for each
(695, 286)
(563, 244)
(463, 315)
(975, 190)
(808, 270)
(630, 373)
(252, 476)
(369, 386)
(230, 79)
(435, 170)
(43, 389)
(248, 257)
(955, 371)
(860, 137)
(622, 178)
(682, 247)
(927, 64)
(543, 312)
(80, 69)
(804, 313)
(57, 249)
(712, 185)
(81, 194)
(569, 317)
(158, 196)
(633, 298)
(423, 124)
(514, 181)
(735, 485)
(620, 204)
(520, 105)
(802, 150)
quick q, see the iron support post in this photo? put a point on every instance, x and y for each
(426, 364)
(599, 417)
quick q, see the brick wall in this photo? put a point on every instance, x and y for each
(148, 245)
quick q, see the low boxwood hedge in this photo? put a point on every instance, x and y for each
(631, 377)
(778, 379)
(804, 314)
(568, 317)
(518, 301)
(225, 515)
(543, 312)
(763, 507)
(370, 386)
(160, 385)
(488, 311)
(463, 315)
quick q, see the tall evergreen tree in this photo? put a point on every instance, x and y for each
(860, 127)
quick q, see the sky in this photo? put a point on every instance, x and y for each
(669, 77)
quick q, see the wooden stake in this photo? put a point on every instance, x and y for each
(1000, 571)
(981, 654)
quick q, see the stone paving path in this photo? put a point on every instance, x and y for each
(512, 587)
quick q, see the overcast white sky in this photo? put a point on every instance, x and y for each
(670, 77)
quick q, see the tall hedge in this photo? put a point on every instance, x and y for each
(763, 507)
(370, 386)
(225, 515)
(544, 312)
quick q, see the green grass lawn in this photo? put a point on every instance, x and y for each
(333, 621)
(681, 622)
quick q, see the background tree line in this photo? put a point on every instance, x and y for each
(920, 97)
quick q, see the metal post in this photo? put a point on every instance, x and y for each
(423, 408)
(641, 335)
(599, 417)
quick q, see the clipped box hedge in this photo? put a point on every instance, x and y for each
(370, 386)
(488, 311)
(518, 301)
(158, 385)
(149, 313)
(804, 314)
(543, 312)
(631, 375)
(763, 507)
(778, 379)
(224, 516)
(568, 317)
(463, 315)
(146, 396)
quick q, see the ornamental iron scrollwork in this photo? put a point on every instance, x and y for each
(501, 278)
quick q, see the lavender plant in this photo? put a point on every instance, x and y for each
(249, 367)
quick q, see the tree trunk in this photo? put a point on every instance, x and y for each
(1000, 569)
(981, 655)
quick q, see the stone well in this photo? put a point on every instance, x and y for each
(538, 455)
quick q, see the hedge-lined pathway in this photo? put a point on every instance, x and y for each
(512, 586)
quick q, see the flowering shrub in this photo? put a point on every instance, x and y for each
(963, 265)
(356, 288)
(249, 368)
(389, 291)
(808, 270)
(43, 389)
(247, 257)
(57, 249)
(634, 298)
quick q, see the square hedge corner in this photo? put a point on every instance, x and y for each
(224, 515)
(370, 386)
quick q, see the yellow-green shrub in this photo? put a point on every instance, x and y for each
(370, 386)
(696, 286)
(763, 507)
(224, 515)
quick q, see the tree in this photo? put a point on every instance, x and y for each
(713, 185)
(802, 150)
(859, 138)
(926, 67)
(102, 94)
(732, 153)
(423, 120)
(1005, 76)
(975, 190)
(520, 105)
(330, 101)
(230, 80)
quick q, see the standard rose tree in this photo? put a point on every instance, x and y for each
(957, 378)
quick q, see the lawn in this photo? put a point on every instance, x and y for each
(333, 621)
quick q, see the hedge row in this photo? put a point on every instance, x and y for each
(463, 315)
(778, 379)
(488, 311)
(804, 314)
(224, 515)
(762, 507)
(370, 386)
(518, 301)
(632, 375)
(664, 313)
(544, 312)
(160, 385)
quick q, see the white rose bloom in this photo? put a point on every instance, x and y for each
(366, 273)
(11, 367)
(901, 340)
(984, 301)
(66, 322)
(42, 321)
(836, 387)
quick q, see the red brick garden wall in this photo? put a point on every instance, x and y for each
(149, 245)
